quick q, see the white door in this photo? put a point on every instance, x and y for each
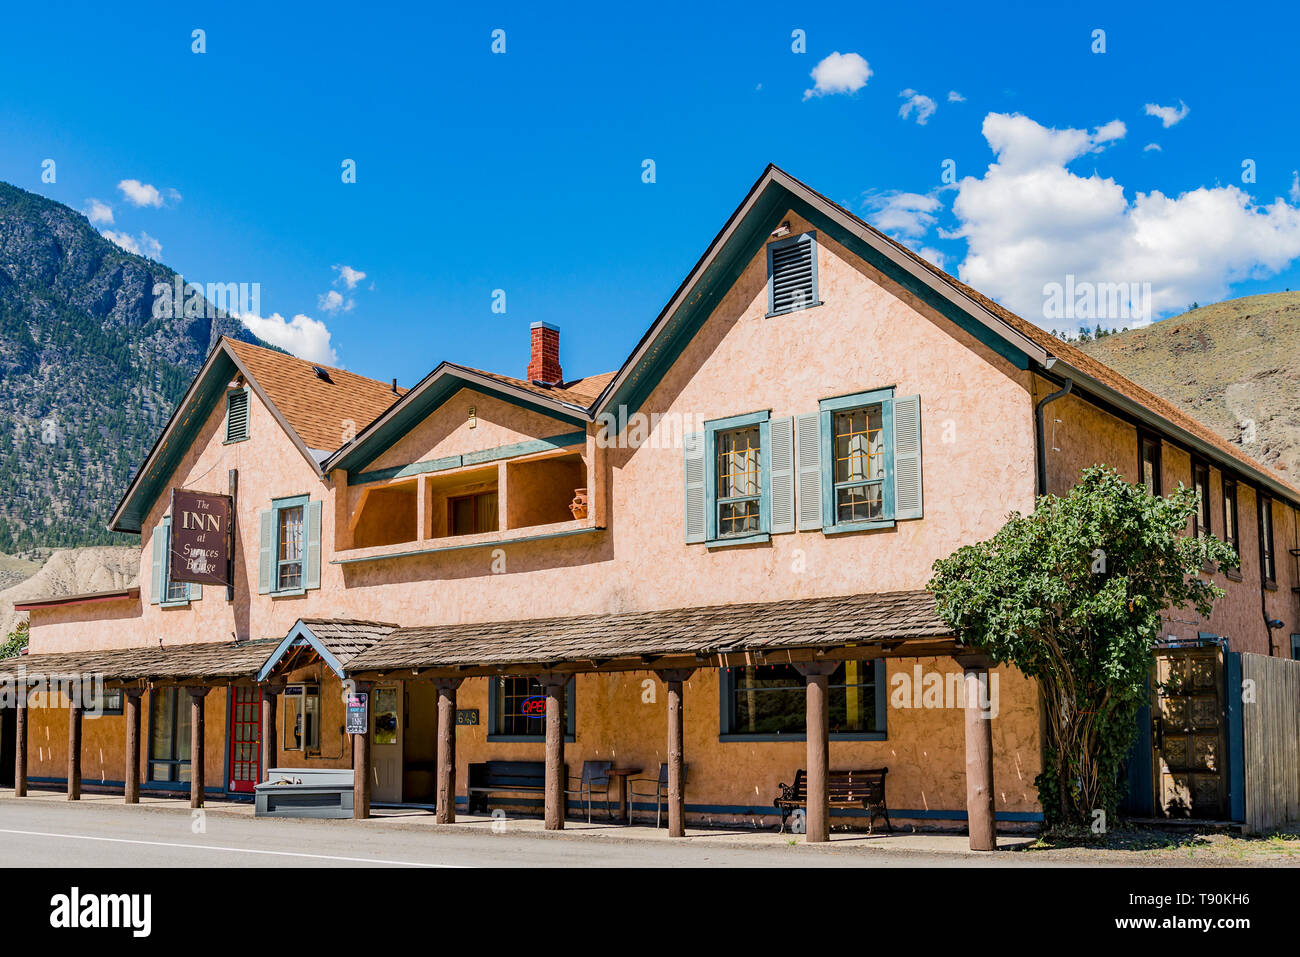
(386, 744)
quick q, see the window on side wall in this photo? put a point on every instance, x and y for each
(165, 591)
(1149, 462)
(1267, 558)
(289, 551)
(169, 735)
(301, 718)
(859, 450)
(1231, 535)
(1201, 482)
(517, 709)
(768, 702)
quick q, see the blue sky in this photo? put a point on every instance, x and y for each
(522, 171)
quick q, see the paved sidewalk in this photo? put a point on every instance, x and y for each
(422, 820)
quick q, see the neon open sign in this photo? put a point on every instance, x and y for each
(534, 707)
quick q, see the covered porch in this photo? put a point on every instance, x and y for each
(814, 637)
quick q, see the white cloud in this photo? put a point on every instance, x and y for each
(333, 301)
(955, 97)
(1152, 146)
(902, 214)
(918, 102)
(303, 336)
(142, 245)
(932, 254)
(143, 194)
(348, 276)
(1030, 221)
(839, 73)
(99, 212)
(1168, 115)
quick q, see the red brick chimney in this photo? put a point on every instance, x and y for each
(544, 361)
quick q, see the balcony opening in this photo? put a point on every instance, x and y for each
(463, 503)
(540, 491)
(388, 516)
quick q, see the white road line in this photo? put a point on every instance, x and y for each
(214, 847)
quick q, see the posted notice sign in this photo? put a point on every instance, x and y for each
(358, 716)
(200, 538)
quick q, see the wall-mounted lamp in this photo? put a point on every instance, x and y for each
(473, 417)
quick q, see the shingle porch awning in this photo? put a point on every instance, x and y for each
(333, 641)
(889, 624)
(191, 664)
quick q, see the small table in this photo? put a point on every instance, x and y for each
(623, 774)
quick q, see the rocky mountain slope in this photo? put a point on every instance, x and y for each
(88, 375)
(1234, 365)
(72, 571)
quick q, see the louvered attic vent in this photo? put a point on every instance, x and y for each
(236, 416)
(792, 271)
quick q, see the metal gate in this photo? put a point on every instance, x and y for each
(1187, 733)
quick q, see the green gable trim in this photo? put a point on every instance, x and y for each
(529, 447)
(405, 471)
(209, 391)
(748, 241)
(409, 416)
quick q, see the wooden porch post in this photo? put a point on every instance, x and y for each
(676, 767)
(555, 728)
(979, 757)
(196, 744)
(270, 695)
(131, 778)
(817, 818)
(20, 743)
(74, 751)
(361, 763)
(446, 791)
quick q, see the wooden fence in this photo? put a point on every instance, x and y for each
(1271, 729)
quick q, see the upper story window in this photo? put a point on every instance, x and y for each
(1231, 535)
(289, 551)
(858, 446)
(164, 591)
(471, 514)
(1267, 559)
(1201, 482)
(853, 464)
(740, 481)
(237, 415)
(1149, 462)
(792, 274)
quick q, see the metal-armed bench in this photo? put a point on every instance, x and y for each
(847, 789)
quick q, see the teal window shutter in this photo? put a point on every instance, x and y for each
(783, 480)
(311, 568)
(158, 549)
(266, 552)
(907, 457)
(196, 591)
(693, 445)
(808, 464)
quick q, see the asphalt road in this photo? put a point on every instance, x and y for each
(57, 834)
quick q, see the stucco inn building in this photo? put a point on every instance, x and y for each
(712, 559)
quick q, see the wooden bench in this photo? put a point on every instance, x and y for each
(864, 789)
(492, 777)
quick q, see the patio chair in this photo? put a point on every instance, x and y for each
(594, 780)
(652, 788)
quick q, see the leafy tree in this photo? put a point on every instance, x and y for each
(1072, 595)
(13, 646)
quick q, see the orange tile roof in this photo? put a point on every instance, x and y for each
(314, 408)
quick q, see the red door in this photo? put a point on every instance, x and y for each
(245, 740)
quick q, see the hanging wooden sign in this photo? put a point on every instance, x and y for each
(200, 538)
